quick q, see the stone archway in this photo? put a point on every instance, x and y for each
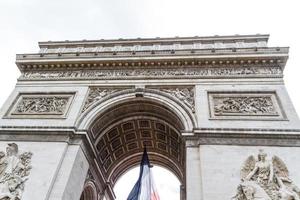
(122, 130)
(89, 191)
(173, 105)
(91, 106)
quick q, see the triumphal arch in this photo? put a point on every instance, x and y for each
(212, 110)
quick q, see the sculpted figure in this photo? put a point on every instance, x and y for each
(287, 191)
(263, 169)
(3, 163)
(245, 105)
(264, 179)
(14, 169)
(249, 190)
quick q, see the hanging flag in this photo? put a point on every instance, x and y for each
(144, 189)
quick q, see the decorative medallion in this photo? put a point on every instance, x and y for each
(264, 179)
(14, 172)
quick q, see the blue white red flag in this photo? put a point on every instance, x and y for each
(144, 189)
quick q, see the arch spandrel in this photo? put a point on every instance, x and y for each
(172, 105)
(120, 127)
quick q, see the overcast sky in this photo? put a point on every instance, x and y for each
(25, 22)
(166, 183)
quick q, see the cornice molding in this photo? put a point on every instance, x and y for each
(170, 40)
(154, 58)
(247, 131)
(213, 57)
(242, 138)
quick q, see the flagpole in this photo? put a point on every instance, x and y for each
(144, 188)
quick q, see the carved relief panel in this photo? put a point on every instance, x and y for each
(14, 171)
(185, 94)
(266, 179)
(97, 94)
(41, 105)
(244, 105)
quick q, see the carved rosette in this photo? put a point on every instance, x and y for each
(97, 94)
(266, 179)
(183, 94)
(14, 171)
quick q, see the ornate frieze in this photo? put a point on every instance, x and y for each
(14, 171)
(46, 105)
(97, 94)
(129, 73)
(265, 179)
(183, 94)
(244, 105)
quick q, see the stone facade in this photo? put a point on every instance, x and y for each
(213, 110)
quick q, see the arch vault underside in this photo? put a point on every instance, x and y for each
(122, 131)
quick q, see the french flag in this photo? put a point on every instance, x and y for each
(144, 189)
